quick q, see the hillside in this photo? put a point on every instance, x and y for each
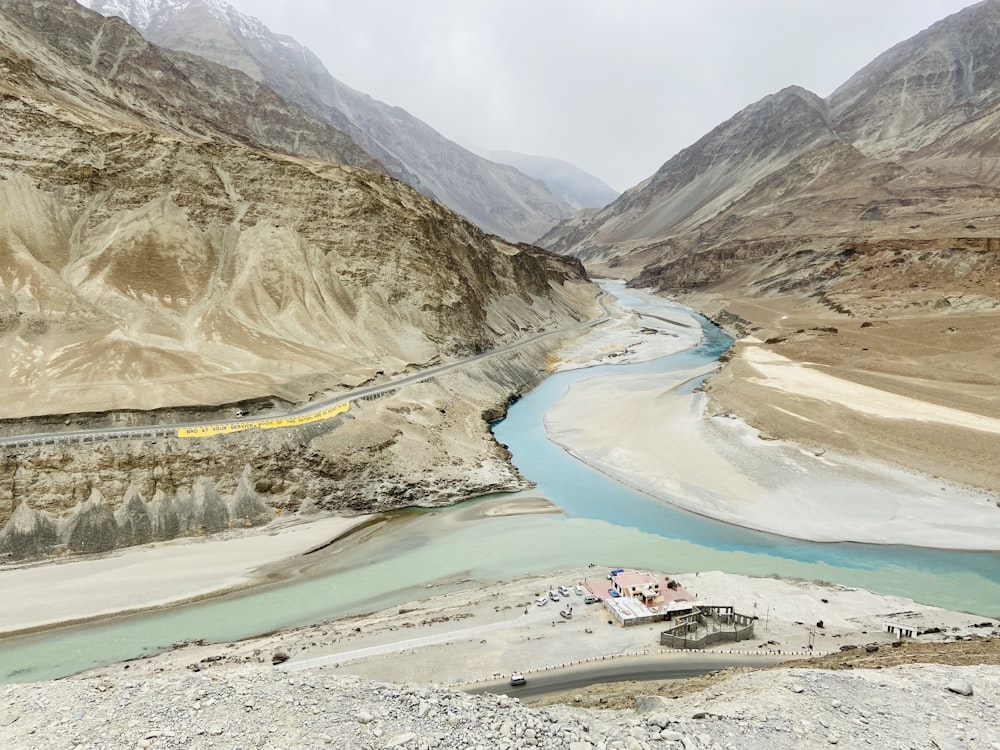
(803, 220)
(903, 150)
(802, 708)
(498, 198)
(176, 240)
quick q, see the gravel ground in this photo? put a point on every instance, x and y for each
(258, 706)
(233, 696)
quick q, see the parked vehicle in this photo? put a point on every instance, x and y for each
(517, 679)
(564, 591)
(591, 599)
(614, 593)
(567, 613)
(540, 601)
(579, 590)
(552, 596)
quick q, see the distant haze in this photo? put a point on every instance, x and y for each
(616, 88)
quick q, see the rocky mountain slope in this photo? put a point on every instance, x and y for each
(175, 238)
(497, 197)
(903, 151)
(856, 235)
(568, 183)
(247, 705)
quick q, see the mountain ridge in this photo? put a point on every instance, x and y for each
(568, 182)
(178, 243)
(911, 113)
(498, 198)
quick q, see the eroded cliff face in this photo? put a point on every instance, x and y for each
(155, 263)
(426, 445)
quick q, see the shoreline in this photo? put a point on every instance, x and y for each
(902, 515)
(494, 628)
(287, 560)
(257, 558)
(719, 466)
(158, 576)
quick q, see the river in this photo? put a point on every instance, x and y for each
(421, 553)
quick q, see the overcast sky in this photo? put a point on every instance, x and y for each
(616, 87)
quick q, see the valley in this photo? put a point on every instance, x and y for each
(305, 404)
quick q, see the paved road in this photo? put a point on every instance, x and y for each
(648, 667)
(165, 430)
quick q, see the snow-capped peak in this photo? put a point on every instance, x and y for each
(143, 14)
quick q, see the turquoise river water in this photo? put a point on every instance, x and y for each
(428, 552)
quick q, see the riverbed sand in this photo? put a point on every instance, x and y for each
(653, 433)
(484, 630)
(916, 387)
(163, 574)
(156, 575)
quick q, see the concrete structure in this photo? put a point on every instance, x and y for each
(707, 625)
(903, 631)
(642, 586)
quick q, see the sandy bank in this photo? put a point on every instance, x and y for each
(642, 329)
(163, 574)
(155, 575)
(644, 432)
(493, 628)
(793, 379)
(917, 387)
(720, 467)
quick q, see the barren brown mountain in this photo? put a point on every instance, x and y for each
(495, 196)
(856, 236)
(175, 238)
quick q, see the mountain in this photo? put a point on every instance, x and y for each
(905, 149)
(150, 211)
(852, 240)
(702, 180)
(497, 197)
(119, 76)
(567, 182)
(177, 243)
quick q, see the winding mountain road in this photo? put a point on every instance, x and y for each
(310, 413)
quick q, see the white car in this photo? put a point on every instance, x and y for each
(564, 591)
(579, 590)
(552, 596)
(540, 601)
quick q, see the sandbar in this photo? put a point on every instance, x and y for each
(156, 575)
